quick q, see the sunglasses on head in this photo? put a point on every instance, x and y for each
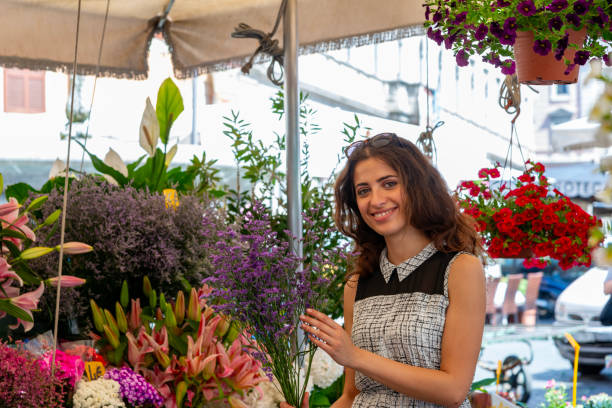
(380, 140)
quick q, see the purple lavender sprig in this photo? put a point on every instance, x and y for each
(134, 389)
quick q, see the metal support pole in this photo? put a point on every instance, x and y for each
(194, 117)
(294, 198)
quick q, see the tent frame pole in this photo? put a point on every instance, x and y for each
(294, 196)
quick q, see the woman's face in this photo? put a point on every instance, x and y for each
(380, 197)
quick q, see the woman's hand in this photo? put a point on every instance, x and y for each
(329, 336)
(343, 402)
(304, 403)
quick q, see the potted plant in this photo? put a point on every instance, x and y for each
(527, 218)
(554, 35)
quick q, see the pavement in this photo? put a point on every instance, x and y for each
(547, 364)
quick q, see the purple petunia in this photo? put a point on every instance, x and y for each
(462, 58)
(607, 60)
(580, 7)
(508, 67)
(557, 6)
(427, 11)
(581, 57)
(437, 17)
(510, 24)
(481, 32)
(569, 69)
(573, 19)
(435, 35)
(542, 47)
(526, 8)
(508, 38)
(561, 47)
(496, 29)
(555, 23)
(503, 3)
(460, 18)
(601, 19)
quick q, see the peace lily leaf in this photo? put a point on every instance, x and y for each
(149, 129)
(103, 167)
(37, 203)
(170, 155)
(1, 183)
(113, 159)
(169, 107)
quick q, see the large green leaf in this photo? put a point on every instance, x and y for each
(169, 107)
(13, 310)
(21, 191)
(103, 167)
(1, 184)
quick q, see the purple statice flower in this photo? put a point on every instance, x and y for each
(557, 5)
(481, 32)
(555, 23)
(510, 25)
(460, 18)
(133, 387)
(573, 18)
(462, 58)
(503, 3)
(581, 57)
(508, 67)
(542, 47)
(526, 8)
(561, 47)
(580, 7)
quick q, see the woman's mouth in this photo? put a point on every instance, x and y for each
(383, 215)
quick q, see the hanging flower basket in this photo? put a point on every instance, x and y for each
(527, 214)
(533, 68)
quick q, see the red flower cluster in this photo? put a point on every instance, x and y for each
(527, 219)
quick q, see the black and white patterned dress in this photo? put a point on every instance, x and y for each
(399, 314)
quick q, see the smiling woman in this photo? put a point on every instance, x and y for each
(415, 303)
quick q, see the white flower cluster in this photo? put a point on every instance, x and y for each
(324, 370)
(100, 393)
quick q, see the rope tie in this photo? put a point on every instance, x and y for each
(510, 96)
(426, 142)
(267, 45)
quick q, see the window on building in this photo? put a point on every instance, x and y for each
(24, 91)
(559, 92)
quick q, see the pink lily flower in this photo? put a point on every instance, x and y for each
(7, 273)
(137, 349)
(28, 301)
(67, 281)
(9, 209)
(10, 219)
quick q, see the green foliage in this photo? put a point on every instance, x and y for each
(324, 397)
(169, 107)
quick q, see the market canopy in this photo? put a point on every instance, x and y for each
(39, 34)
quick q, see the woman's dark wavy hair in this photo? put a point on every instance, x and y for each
(431, 208)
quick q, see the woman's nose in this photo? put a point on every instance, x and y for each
(379, 198)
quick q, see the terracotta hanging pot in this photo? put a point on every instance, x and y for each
(535, 69)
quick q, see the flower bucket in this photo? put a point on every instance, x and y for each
(535, 69)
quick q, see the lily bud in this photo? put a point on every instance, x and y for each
(112, 323)
(121, 319)
(222, 327)
(193, 309)
(32, 253)
(111, 336)
(146, 285)
(162, 302)
(232, 333)
(153, 299)
(98, 316)
(75, 248)
(135, 311)
(66, 281)
(124, 298)
(170, 320)
(162, 358)
(179, 307)
(181, 391)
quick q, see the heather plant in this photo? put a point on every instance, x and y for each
(189, 353)
(265, 286)
(134, 235)
(23, 384)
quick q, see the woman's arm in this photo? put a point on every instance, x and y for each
(350, 391)
(461, 342)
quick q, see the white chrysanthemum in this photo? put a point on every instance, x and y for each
(324, 370)
(101, 393)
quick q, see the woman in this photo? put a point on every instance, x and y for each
(414, 308)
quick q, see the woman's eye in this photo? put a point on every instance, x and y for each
(389, 184)
(362, 192)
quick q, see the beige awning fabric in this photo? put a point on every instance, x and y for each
(39, 34)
